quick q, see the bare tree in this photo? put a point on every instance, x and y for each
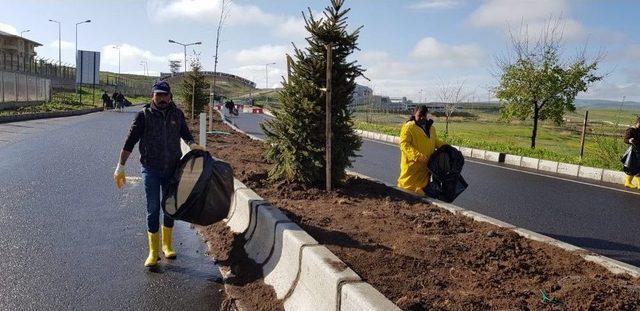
(224, 15)
(451, 96)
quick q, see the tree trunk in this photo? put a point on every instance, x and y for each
(446, 125)
(536, 115)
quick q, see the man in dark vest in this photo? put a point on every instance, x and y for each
(159, 128)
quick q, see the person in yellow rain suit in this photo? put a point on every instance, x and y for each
(418, 141)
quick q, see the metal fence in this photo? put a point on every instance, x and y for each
(21, 87)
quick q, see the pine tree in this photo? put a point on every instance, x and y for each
(194, 86)
(296, 136)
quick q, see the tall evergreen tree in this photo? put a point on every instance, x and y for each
(194, 86)
(296, 136)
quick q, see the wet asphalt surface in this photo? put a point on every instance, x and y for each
(70, 241)
(605, 221)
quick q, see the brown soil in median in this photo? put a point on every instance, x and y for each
(425, 258)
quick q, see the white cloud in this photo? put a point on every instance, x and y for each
(131, 56)
(8, 28)
(257, 74)
(633, 52)
(207, 11)
(437, 53)
(66, 45)
(532, 13)
(262, 55)
(435, 4)
(292, 27)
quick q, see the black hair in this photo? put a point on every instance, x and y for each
(421, 110)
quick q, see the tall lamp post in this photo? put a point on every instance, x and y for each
(145, 67)
(59, 43)
(76, 55)
(185, 50)
(24, 32)
(118, 79)
(266, 74)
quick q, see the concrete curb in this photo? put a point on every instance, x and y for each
(572, 170)
(46, 115)
(304, 274)
(614, 266)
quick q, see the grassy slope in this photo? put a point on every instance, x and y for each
(553, 143)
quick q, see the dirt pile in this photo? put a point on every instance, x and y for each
(425, 258)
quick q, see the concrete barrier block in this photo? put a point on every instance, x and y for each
(477, 153)
(261, 238)
(529, 163)
(377, 136)
(396, 140)
(614, 177)
(389, 139)
(483, 218)
(465, 151)
(242, 204)
(545, 239)
(613, 265)
(492, 156)
(512, 160)
(283, 265)
(363, 297)
(320, 274)
(568, 169)
(548, 166)
(590, 173)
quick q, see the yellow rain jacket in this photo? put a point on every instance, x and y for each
(416, 148)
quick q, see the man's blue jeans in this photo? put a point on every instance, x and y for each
(155, 180)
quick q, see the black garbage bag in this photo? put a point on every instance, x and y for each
(446, 182)
(200, 190)
(631, 161)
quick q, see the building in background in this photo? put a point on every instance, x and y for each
(16, 52)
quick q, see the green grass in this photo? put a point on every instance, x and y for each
(65, 101)
(556, 143)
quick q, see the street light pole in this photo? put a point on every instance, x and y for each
(185, 50)
(118, 80)
(266, 74)
(59, 43)
(76, 55)
(24, 32)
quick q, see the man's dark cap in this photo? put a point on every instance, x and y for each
(161, 87)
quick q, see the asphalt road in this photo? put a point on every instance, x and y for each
(592, 216)
(70, 241)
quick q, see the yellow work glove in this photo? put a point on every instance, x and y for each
(118, 176)
(195, 146)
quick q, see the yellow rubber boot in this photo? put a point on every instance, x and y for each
(152, 259)
(637, 182)
(166, 243)
(628, 181)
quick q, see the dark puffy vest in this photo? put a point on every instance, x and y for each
(160, 142)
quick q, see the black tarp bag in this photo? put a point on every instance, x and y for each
(631, 161)
(200, 189)
(446, 182)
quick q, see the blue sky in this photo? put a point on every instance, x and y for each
(410, 48)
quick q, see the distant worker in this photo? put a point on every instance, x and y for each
(114, 98)
(120, 102)
(159, 126)
(106, 101)
(631, 158)
(418, 141)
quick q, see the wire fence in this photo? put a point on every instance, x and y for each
(63, 75)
